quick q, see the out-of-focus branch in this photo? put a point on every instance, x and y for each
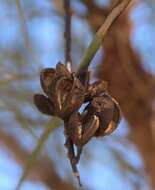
(16, 77)
(23, 26)
(37, 150)
(58, 5)
(25, 32)
(133, 87)
(43, 169)
(129, 83)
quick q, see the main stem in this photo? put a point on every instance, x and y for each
(67, 35)
(99, 36)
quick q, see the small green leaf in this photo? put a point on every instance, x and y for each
(50, 127)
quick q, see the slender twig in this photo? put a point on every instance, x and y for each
(67, 33)
(99, 36)
(25, 32)
(23, 26)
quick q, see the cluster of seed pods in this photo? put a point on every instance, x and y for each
(64, 94)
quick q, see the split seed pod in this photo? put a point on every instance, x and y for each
(100, 117)
(64, 93)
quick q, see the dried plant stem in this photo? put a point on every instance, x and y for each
(67, 34)
(99, 36)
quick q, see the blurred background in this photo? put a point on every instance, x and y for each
(31, 38)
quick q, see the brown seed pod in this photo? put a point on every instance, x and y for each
(107, 110)
(64, 91)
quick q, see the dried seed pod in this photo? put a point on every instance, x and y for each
(43, 104)
(82, 128)
(107, 110)
(64, 94)
(95, 89)
(100, 117)
(46, 78)
(64, 90)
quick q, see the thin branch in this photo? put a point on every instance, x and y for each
(23, 26)
(99, 36)
(24, 30)
(16, 77)
(37, 151)
(67, 33)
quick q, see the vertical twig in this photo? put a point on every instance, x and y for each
(24, 30)
(67, 34)
(23, 26)
(69, 144)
